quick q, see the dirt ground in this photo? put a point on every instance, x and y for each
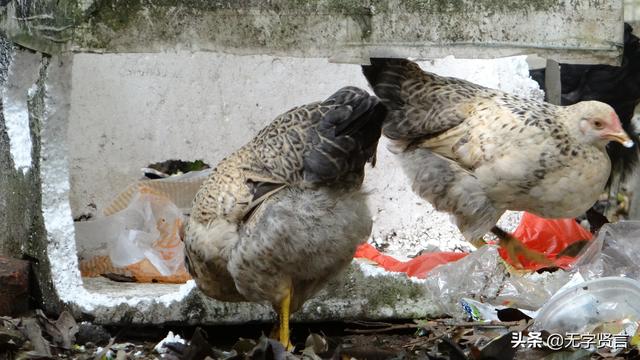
(35, 336)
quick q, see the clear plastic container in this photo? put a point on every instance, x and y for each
(609, 304)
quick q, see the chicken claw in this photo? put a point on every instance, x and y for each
(515, 249)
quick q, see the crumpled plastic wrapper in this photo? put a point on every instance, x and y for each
(142, 241)
(483, 276)
(615, 252)
(139, 237)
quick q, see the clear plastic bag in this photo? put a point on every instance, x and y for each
(478, 276)
(149, 228)
(142, 239)
(139, 235)
(483, 276)
(614, 252)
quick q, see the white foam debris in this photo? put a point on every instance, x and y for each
(17, 121)
(171, 338)
(16, 116)
(509, 74)
(108, 355)
(371, 269)
(510, 220)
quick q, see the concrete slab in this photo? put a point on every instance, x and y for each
(568, 31)
(354, 295)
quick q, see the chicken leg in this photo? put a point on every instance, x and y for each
(478, 243)
(284, 312)
(515, 249)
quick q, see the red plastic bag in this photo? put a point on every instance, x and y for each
(548, 236)
(417, 267)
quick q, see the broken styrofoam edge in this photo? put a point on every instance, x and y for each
(17, 122)
(16, 94)
(170, 338)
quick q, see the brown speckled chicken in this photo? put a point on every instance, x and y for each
(475, 152)
(283, 214)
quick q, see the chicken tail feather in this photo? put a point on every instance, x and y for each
(346, 137)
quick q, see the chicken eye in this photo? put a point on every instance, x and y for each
(597, 124)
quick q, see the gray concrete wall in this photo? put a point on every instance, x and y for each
(10, 245)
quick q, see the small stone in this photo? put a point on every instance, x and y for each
(90, 334)
(14, 286)
(10, 337)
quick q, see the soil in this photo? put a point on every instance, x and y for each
(433, 340)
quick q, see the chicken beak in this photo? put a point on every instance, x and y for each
(622, 138)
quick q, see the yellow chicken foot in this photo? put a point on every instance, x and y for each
(283, 320)
(478, 243)
(515, 249)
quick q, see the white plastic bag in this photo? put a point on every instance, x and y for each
(147, 230)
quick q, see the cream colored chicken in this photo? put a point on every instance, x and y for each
(283, 214)
(475, 152)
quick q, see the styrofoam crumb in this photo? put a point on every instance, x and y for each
(170, 338)
(369, 269)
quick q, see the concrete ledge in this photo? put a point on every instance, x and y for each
(569, 31)
(353, 295)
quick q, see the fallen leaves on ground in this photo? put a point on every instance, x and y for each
(39, 337)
